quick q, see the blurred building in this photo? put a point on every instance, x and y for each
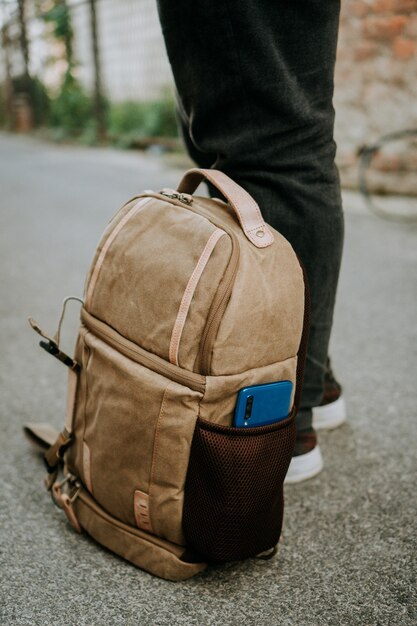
(376, 70)
(133, 58)
(134, 65)
(376, 78)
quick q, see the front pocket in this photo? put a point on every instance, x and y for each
(138, 427)
(233, 503)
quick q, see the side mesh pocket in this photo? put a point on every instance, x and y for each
(233, 503)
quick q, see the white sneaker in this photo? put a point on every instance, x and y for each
(332, 410)
(304, 466)
(308, 461)
(331, 415)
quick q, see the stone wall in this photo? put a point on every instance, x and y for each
(376, 89)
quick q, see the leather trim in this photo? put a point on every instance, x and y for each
(41, 435)
(153, 554)
(64, 502)
(194, 381)
(141, 508)
(245, 207)
(189, 293)
(71, 391)
(87, 467)
(94, 275)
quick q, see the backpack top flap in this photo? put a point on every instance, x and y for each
(185, 278)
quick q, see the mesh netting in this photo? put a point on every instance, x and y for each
(233, 503)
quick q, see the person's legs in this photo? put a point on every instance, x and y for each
(255, 86)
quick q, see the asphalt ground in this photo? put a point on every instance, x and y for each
(347, 555)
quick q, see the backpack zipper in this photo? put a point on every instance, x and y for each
(221, 299)
(194, 381)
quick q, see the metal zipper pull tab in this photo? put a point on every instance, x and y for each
(51, 346)
(185, 198)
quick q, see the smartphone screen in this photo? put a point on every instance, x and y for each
(260, 405)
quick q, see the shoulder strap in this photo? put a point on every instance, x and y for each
(41, 435)
(245, 207)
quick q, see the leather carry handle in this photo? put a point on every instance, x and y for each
(245, 207)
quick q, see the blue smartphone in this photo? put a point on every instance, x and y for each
(260, 405)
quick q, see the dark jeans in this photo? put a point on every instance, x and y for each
(255, 86)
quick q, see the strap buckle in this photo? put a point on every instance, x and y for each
(53, 457)
(64, 499)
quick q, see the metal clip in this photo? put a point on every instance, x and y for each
(52, 348)
(76, 493)
(55, 486)
(65, 480)
(66, 500)
(185, 198)
(51, 345)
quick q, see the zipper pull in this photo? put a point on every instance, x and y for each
(52, 347)
(185, 198)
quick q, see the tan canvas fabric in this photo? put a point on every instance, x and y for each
(132, 419)
(109, 228)
(266, 304)
(220, 396)
(184, 306)
(157, 557)
(166, 244)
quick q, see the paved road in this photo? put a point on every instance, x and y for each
(347, 555)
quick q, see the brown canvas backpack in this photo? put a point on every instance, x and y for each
(187, 301)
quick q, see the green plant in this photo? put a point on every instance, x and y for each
(161, 118)
(59, 16)
(89, 135)
(2, 108)
(143, 119)
(37, 95)
(125, 117)
(72, 108)
(41, 101)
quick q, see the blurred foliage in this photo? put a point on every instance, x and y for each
(71, 110)
(89, 136)
(40, 101)
(3, 120)
(71, 113)
(143, 119)
(59, 16)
